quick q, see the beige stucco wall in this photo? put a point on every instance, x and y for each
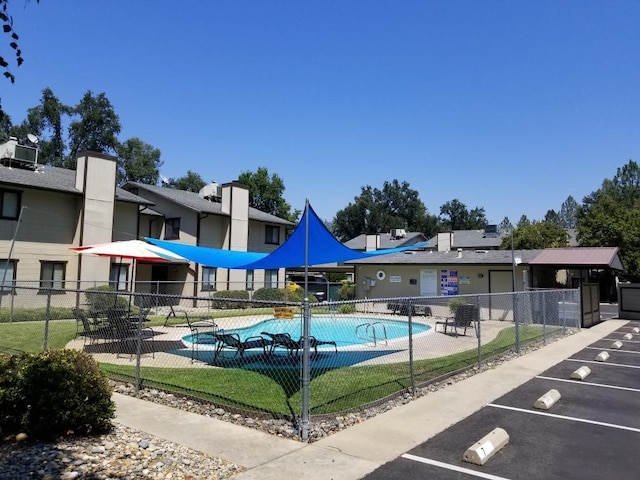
(49, 226)
(405, 280)
(125, 221)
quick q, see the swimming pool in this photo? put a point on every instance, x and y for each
(345, 331)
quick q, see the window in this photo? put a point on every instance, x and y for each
(172, 229)
(9, 204)
(52, 274)
(119, 276)
(249, 279)
(271, 278)
(209, 278)
(272, 235)
(7, 275)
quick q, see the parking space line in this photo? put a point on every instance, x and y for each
(455, 468)
(614, 339)
(564, 417)
(613, 350)
(602, 363)
(615, 387)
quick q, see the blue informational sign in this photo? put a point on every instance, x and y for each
(448, 282)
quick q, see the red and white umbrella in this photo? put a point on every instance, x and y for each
(133, 249)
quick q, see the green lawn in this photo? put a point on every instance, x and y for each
(276, 390)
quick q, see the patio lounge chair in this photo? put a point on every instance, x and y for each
(284, 340)
(87, 329)
(232, 341)
(202, 332)
(465, 317)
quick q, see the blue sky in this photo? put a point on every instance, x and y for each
(508, 105)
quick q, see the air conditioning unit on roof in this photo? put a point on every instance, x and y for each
(398, 233)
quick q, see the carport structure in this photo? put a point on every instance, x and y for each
(591, 432)
(576, 266)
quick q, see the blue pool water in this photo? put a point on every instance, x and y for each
(343, 331)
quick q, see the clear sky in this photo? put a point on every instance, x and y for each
(508, 105)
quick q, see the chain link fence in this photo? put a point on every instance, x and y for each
(251, 355)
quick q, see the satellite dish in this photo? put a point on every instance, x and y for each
(164, 179)
(32, 138)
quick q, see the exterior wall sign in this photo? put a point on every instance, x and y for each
(395, 278)
(448, 282)
(428, 283)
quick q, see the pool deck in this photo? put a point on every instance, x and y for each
(431, 344)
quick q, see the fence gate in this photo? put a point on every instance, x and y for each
(590, 300)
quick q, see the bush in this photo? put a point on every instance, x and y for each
(347, 290)
(454, 303)
(289, 294)
(229, 299)
(347, 308)
(54, 393)
(105, 297)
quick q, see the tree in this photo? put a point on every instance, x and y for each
(7, 27)
(506, 224)
(535, 236)
(569, 213)
(610, 217)
(524, 220)
(191, 182)
(266, 193)
(45, 121)
(376, 211)
(552, 217)
(97, 127)
(138, 162)
(455, 216)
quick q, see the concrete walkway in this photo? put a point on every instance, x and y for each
(352, 453)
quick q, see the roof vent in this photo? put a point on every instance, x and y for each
(459, 253)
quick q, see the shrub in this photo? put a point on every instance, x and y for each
(229, 299)
(105, 297)
(347, 308)
(454, 303)
(295, 295)
(347, 290)
(54, 393)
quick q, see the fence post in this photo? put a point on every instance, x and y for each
(515, 322)
(306, 372)
(47, 315)
(138, 351)
(478, 333)
(411, 366)
(544, 318)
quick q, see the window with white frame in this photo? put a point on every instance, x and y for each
(119, 276)
(52, 274)
(271, 278)
(172, 229)
(9, 204)
(272, 235)
(209, 278)
(249, 279)
(7, 274)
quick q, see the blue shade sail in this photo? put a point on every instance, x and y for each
(322, 247)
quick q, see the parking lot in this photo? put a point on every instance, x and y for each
(591, 432)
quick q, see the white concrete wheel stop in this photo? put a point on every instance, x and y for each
(485, 448)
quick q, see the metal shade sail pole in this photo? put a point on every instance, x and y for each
(306, 314)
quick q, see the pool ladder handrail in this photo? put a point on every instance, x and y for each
(370, 332)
